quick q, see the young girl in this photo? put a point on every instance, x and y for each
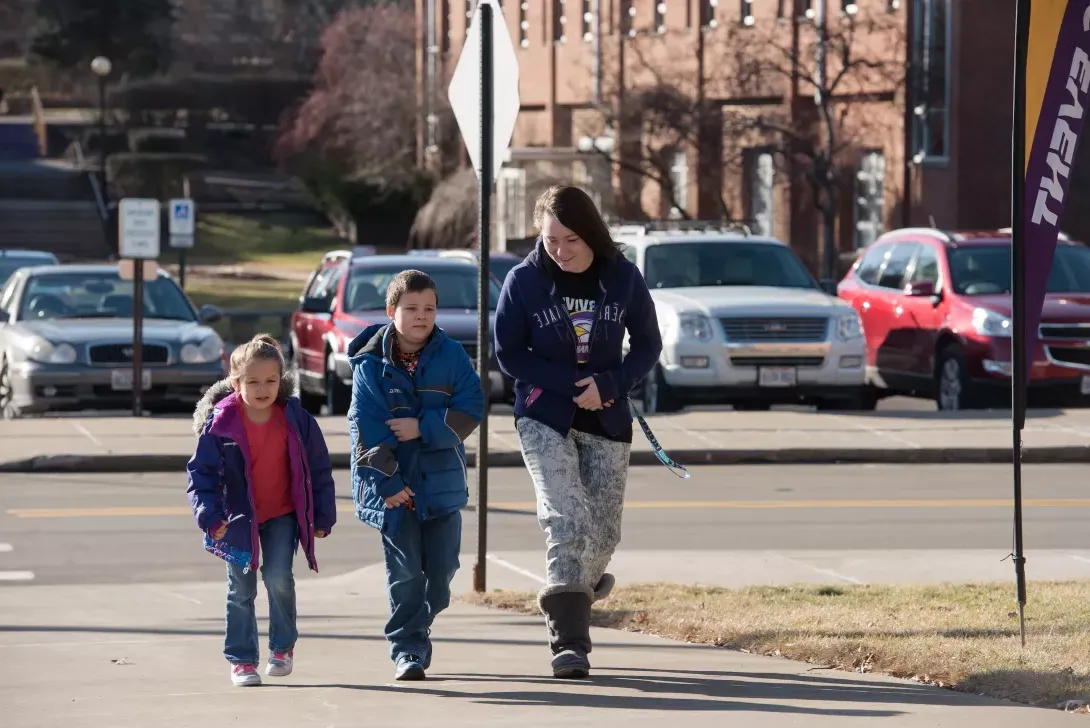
(260, 484)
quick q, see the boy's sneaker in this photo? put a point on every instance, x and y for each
(280, 664)
(245, 676)
(409, 667)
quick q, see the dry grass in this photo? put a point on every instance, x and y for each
(251, 295)
(961, 636)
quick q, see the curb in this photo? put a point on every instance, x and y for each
(169, 463)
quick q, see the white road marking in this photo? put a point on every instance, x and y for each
(6, 548)
(517, 569)
(16, 575)
(78, 426)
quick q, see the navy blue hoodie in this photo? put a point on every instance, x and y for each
(536, 342)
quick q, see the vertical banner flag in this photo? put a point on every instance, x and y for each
(1056, 58)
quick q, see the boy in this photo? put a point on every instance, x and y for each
(416, 397)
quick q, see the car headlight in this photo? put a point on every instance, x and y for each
(849, 327)
(202, 352)
(36, 348)
(989, 323)
(694, 326)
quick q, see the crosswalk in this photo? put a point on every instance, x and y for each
(13, 576)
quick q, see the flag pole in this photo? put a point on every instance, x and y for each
(1019, 360)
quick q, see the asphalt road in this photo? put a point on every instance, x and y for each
(118, 528)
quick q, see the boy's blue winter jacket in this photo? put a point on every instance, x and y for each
(536, 342)
(444, 394)
(219, 475)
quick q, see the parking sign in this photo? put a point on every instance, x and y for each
(183, 217)
(139, 223)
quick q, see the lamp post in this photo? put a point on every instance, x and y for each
(101, 67)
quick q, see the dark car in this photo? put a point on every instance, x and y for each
(936, 310)
(66, 342)
(345, 294)
(13, 260)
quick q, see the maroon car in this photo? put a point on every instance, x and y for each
(936, 310)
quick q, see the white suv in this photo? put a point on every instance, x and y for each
(743, 322)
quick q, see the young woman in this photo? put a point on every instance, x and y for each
(560, 324)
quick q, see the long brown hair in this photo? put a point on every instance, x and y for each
(573, 208)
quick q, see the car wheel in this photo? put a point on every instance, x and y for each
(8, 410)
(338, 397)
(953, 390)
(658, 396)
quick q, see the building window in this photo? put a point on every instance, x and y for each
(893, 5)
(679, 183)
(524, 24)
(760, 170)
(707, 11)
(808, 9)
(628, 13)
(588, 22)
(747, 13)
(779, 9)
(660, 16)
(470, 7)
(870, 198)
(559, 21)
(930, 87)
(849, 7)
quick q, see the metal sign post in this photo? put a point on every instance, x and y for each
(183, 228)
(484, 96)
(138, 241)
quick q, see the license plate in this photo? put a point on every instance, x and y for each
(121, 380)
(1086, 385)
(777, 377)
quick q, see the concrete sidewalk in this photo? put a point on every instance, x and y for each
(125, 443)
(102, 657)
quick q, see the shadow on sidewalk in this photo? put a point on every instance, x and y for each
(674, 690)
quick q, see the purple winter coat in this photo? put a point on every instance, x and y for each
(219, 475)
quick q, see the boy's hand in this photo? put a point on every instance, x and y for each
(219, 531)
(405, 428)
(400, 499)
(320, 534)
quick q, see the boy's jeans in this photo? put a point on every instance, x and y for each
(279, 537)
(421, 561)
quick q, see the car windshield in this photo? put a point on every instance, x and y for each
(457, 285)
(100, 295)
(686, 265)
(979, 270)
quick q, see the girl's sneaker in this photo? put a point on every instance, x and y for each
(280, 664)
(245, 676)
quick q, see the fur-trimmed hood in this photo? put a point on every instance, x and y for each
(221, 390)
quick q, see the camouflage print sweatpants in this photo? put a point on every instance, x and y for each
(579, 481)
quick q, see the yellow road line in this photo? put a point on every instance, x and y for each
(123, 512)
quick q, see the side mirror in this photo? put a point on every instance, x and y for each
(920, 289)
(210, 314)
(829, 286)
(311, 304)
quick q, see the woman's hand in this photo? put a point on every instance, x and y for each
(404, 428)
(218, 531)
(590, 399)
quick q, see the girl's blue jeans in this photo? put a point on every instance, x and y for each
(279, 540)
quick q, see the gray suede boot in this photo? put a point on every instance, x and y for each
(604, 587)
(567, 615)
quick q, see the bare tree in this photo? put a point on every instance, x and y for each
(359, 122)
(656, 109)
(850, 65)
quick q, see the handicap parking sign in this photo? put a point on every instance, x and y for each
(182, 217)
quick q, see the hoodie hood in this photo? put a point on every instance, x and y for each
(368, 341)
(215, 399)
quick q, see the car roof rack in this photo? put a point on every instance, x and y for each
(1060, 236)
(642, 227)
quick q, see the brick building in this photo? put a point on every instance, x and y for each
(585, 89)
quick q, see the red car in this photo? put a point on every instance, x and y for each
(936, 312)
(347, 292)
